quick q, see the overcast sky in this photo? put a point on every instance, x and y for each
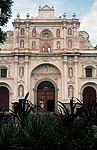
(86, 12)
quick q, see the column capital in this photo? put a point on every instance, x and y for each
(16, 59)
(75, 59)
(65, 60)
(64, 26)
(27, 26)
(26, 59)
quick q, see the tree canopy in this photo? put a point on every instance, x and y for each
(5, 15)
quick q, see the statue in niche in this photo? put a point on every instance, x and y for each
(22, 44)
(21, 91)
(33, 45)
(21, 72)
(70, 72)
(70, 91)
(58, 44)
(58, 33)
(69, 43)
(22, 32)
(45, 68)
(69, 31)
(34, 33)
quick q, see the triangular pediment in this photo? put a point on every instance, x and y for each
(46, 7)
(46, 12)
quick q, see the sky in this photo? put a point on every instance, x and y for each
(86, 12)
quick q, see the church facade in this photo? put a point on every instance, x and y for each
(49, 58)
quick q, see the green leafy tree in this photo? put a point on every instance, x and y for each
(5, 14)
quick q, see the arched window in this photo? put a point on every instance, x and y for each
(22, 44)
(70, 43)
(21, 91)
(3, 72)
(89, 71)
(58, 33)
(22, 31)
(69, 31)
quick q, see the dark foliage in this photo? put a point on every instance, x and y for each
(5, 15)
(73, 128)
(77, 125)
(22, 109)
(10, 138)
(40, 132)
(67, 114)
(4, 116)
(2, 36)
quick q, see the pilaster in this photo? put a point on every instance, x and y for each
(64, 35)
(65, 95)
(27, 36)
(26, 74)
(76, 75)
(15, 78)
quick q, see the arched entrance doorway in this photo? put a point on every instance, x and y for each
(46, 96)
(4, 98)
(89, 95)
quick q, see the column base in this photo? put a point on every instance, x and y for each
(75, 49)
(26, 49)
(16, 49)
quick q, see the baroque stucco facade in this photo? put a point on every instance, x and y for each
(47, 48)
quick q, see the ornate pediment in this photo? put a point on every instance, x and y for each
(89, 62)
(46, 12)
(84, 42)
(8, 44)
(46, 69)
(46, 7)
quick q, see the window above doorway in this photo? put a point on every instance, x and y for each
(89, 72)
(3, 72)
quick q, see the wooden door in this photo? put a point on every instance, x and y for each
(4, 98)
(46, 99)
(89, 94)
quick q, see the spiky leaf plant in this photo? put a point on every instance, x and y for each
(10, 136)
(22, 109)
(40, 132)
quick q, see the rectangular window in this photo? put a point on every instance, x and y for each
(3, 73)
(88, 72)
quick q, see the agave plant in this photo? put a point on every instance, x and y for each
(40, 132)
(67, 114)
(89, 110)
(10, 136)
(22, 109)
(76, 123)
(4, 116)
